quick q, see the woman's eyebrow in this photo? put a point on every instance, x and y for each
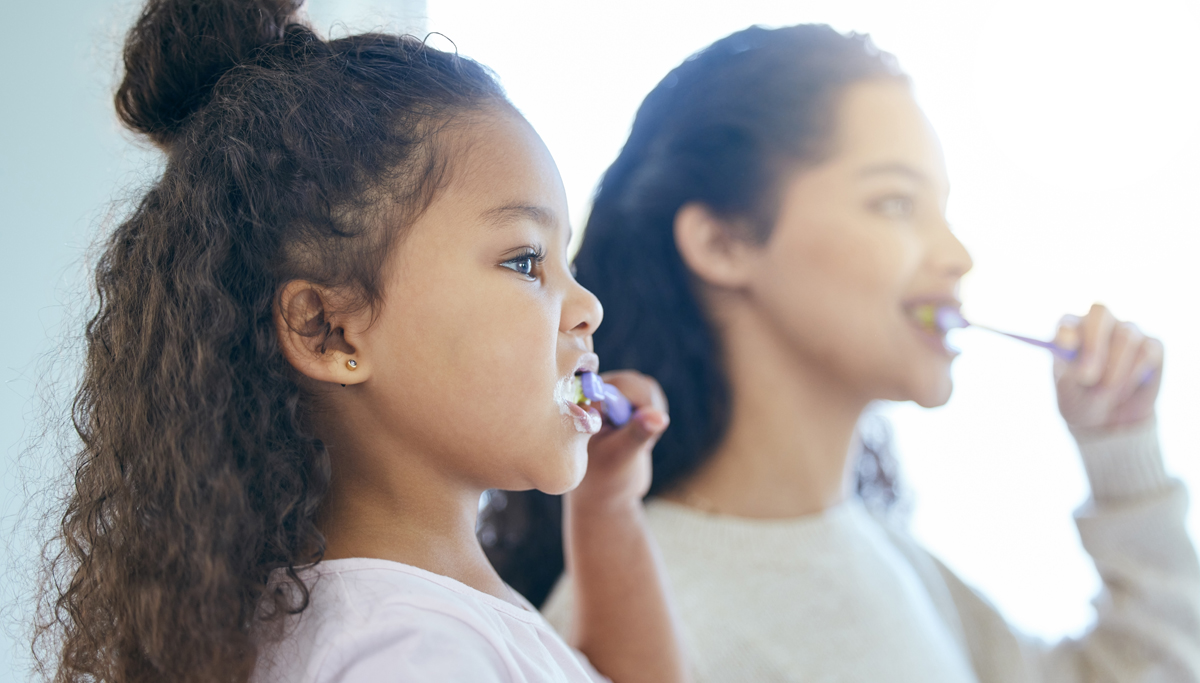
(503, 216)
(893, 168)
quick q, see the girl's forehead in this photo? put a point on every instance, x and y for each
(498, 174)
(495, 160)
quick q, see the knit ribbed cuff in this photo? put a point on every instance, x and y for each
(1123, 464)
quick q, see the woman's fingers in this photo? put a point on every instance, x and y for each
(1114, 379)
(1096, 333)
(1068, 336)
(1146, 369)
(1125, 343)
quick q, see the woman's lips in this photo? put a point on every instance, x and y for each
(929, 333)
(936, 340)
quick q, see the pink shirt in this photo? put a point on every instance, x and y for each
(378, 621)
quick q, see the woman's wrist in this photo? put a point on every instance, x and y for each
(1123, 463)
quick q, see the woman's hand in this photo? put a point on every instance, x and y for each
(1114, 379)
(618, 472)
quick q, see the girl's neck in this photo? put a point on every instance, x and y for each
(393, 507)
(786, 450)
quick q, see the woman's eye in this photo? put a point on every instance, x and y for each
(895, 207)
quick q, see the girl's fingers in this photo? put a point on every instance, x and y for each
(650, 418)
(640, 432)
(641, 390)
(1096, 331)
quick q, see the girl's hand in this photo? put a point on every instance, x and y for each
(619, 459)
(1114, 379)
(623, 620)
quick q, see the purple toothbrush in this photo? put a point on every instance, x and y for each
(592, 389)
(946, 318)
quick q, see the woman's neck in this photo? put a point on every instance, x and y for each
(785, 452)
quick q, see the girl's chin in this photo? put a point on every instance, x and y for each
(569, 474)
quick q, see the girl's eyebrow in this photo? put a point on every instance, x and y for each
(503, 216)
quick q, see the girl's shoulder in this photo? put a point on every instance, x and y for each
(375, 620)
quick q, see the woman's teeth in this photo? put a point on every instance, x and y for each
(937, 318)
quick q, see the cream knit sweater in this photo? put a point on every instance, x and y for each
(840, 596)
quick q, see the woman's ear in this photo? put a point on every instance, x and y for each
(321, 340)
(712, 248)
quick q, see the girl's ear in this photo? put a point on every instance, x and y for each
(319, 339)
(712, 248)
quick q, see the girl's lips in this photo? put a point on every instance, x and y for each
(576, 410)
(586, 421)
(588, 362)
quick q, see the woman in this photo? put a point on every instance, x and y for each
(762, 246)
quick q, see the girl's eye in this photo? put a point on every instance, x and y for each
(894, 207)
(525, 263)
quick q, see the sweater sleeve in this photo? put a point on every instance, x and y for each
(1148, 611)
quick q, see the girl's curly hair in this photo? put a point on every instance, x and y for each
(288, 157)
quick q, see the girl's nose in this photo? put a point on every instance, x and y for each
(582, 311)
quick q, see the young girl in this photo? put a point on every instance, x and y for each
(765, 242)
(342, 313)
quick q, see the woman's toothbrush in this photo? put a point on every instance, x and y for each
(946, 318)
(590, 389)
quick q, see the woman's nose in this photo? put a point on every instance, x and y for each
(951, 257)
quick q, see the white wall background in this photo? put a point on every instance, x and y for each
(1071, 131)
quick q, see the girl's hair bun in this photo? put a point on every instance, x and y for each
(179, 49)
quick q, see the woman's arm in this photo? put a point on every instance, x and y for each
(623, 620)
(1148, 612)
(1148, 624)
(1133, 526)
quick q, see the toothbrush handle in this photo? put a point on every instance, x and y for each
(1065, 354)
(616, 406)
(1058, 351)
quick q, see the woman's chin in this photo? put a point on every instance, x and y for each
(935, 394)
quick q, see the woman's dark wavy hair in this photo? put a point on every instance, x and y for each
(288, 157)
(720, 129)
